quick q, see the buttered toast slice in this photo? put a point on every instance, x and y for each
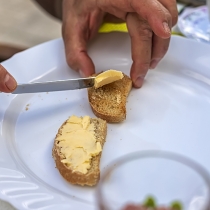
(109, 101)
(77, 149)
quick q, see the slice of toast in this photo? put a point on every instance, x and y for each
(91, 177)
(109, 101)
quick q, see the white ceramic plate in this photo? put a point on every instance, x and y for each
(170, 112)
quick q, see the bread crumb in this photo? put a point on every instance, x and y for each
(27, 107)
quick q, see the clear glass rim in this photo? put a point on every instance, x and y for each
(152, 154)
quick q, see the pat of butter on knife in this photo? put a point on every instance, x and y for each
(107, 77)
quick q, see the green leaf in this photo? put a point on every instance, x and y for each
(176, 205)
(150, 202)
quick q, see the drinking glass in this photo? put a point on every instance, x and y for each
(167, 177)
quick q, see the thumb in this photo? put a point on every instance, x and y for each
(7, 81)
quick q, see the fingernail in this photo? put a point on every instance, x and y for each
(10, 82)
(154, 63)
(139, 81)
(81, 73)
(166, 28)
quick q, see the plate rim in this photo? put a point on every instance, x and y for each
(10, 98)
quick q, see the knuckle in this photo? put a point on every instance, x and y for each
(146, 32)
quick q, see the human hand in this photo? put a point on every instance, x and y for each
(149, 25)
(7, 81)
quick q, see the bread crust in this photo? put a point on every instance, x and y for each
(106, 107)
(92, 176)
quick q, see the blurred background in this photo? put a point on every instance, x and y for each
(24, 24)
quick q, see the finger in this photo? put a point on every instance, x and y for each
(77, 30)
(141, 45)
(7, 82)
(75, 40)
(159, 49)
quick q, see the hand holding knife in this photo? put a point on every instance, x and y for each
(8, 84)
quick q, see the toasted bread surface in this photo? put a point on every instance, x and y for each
(109, 101)
(75, 177)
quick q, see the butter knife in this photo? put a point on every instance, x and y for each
(59, 85)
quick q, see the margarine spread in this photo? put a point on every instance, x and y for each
(78, 143)
(107, 77)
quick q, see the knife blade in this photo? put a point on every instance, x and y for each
(59, 85)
